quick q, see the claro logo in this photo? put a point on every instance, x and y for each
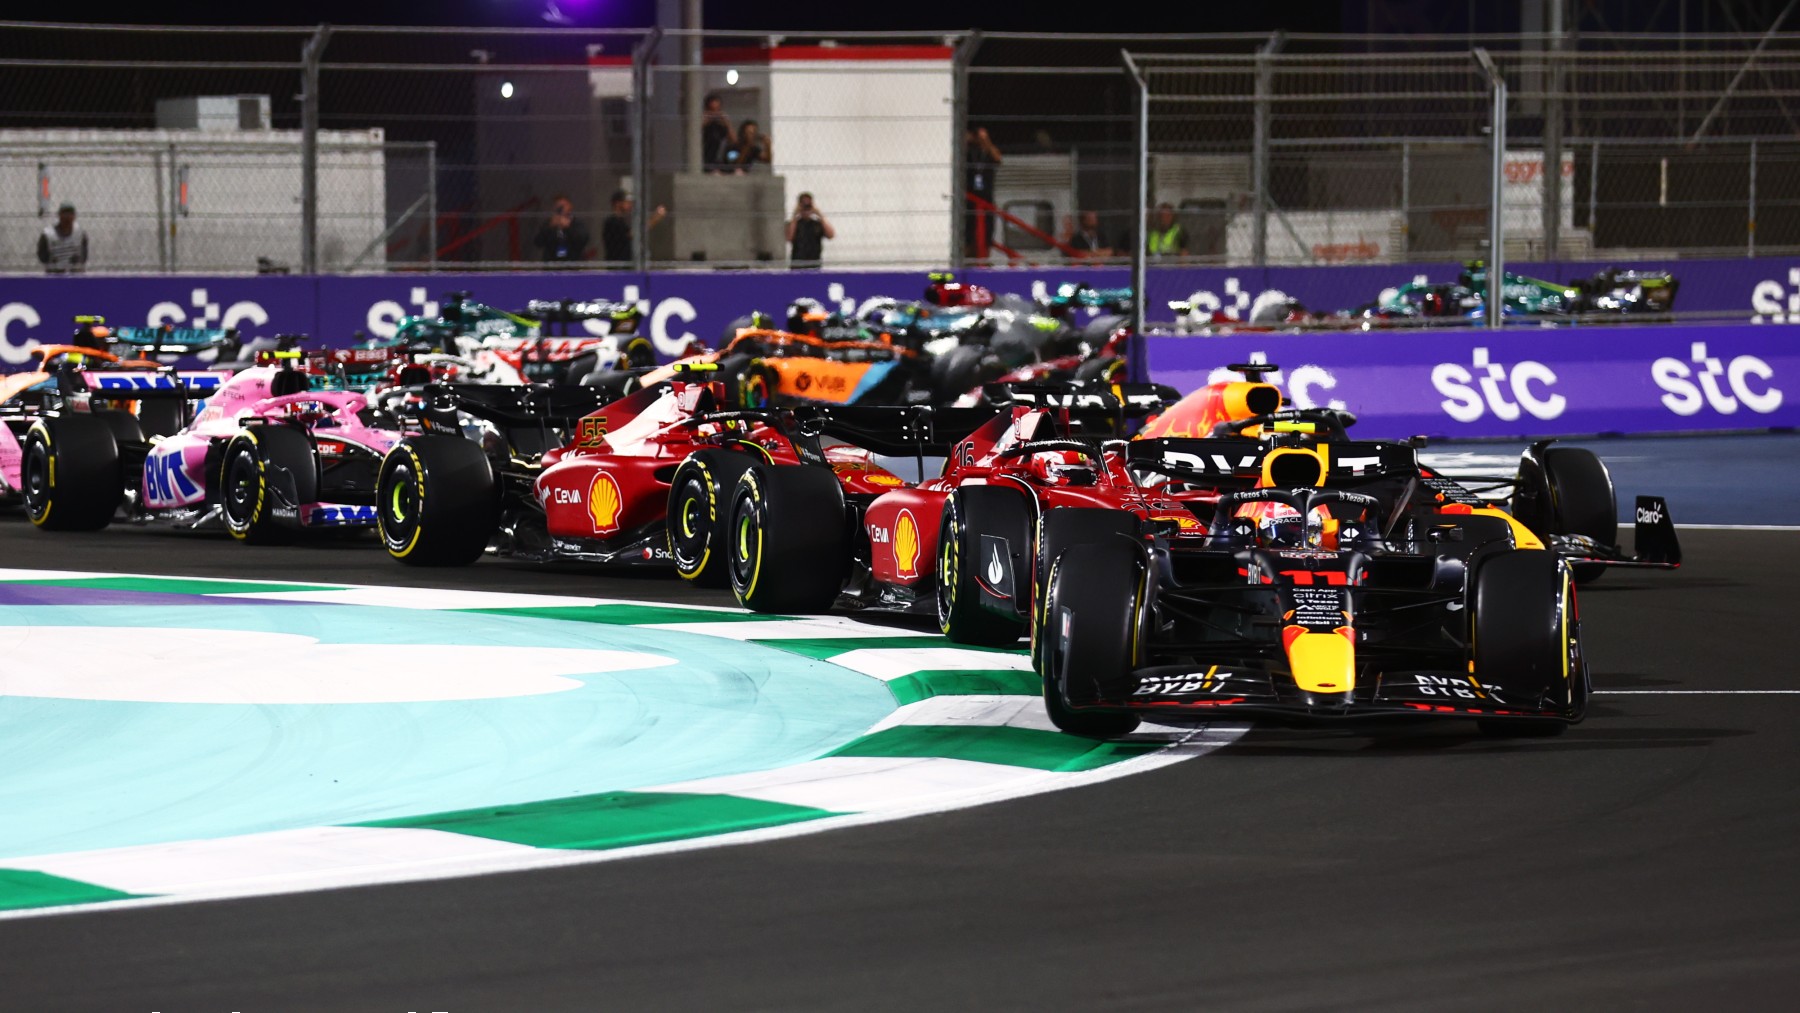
(1507, 391)
(1696, 384)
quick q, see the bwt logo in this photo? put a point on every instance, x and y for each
(1470, 395)
(1304, 383)
(1696, 386)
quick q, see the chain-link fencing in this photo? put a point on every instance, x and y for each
(378, 149)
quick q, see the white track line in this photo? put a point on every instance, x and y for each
(1733, 527)
(1698, 692)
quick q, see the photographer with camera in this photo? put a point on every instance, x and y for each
(807, 230)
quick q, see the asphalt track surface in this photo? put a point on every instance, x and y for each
(1644, 860)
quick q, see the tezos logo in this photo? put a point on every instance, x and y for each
(1691, 388)
(1470, 395)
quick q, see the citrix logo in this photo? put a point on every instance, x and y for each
(1691, 389)
(207, 313)
(1470, 395)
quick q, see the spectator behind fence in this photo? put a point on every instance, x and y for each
(717, 140)
(63, 248)
(615, 232)
(1087, 240)
(807, 230)
(753, 148)
(1167, 238)
(980, 158)
(562, 239)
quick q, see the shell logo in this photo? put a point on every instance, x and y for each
(876, 478)
(906, 545)
(1187, 523)
(605, 504)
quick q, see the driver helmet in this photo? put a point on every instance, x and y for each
(806, 316)
(1278, 525)
(1062, 467)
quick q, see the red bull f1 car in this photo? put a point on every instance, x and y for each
(1336, 579)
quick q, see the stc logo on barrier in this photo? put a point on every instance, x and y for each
(246, 314)
(1693, 387)
(1470, 395)
(15, 348)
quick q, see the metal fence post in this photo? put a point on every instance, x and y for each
(1405, 199)
(174, 210)
(1553, 138)
(1594, 194)
(1139, 281)
(1259, 147)
(309, 149)
(431, 207)
(964, 55)
(1496, 263)
(162, 224)
(1750, 223)
(641, 55)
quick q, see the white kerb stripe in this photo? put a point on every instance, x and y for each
(887, 663)
(865, 783)
(282, 858)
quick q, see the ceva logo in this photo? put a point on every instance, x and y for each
(1695, 385)
(1468, 395)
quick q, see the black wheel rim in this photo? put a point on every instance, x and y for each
(947, 573)
(35, 478)
(399, 509)
(689, 526)
(746, 543)
(240, 490)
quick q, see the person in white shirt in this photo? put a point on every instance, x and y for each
(63, 247)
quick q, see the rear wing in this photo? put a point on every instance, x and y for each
(566, 311)
(1236, 460)
(169, 340)
(1129, 400)
(516, 405)
(916, 430)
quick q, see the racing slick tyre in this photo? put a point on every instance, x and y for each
(1108, 370)
(260, 468)
(70, 473)
(615, 383)
(962, 369)
(126, 427)
(984, 541)
(1521, 638)
(162, 416)
(436, 503)
(788, 539)
(1063, 528)
(1572, 495)
(1096, 597)
(699, 498)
